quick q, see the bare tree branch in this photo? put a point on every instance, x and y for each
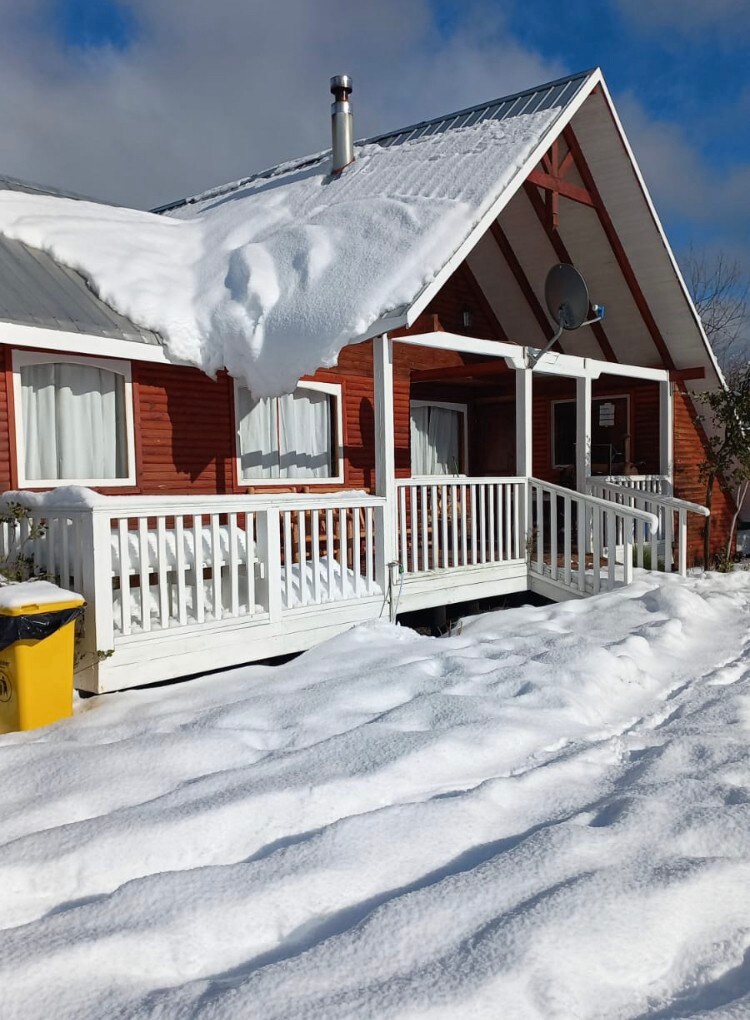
(720, 288)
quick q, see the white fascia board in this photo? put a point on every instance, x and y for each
(465, 345)
(16, 335)
(553, 131)
(550, 364)
(668, 248)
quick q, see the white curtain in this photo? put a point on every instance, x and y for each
(435, 440)
(73, 422)
(286, 437)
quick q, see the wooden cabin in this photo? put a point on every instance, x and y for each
(434, 464)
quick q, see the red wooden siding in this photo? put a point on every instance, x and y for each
(689, 453)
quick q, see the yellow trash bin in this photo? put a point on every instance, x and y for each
(37, 633)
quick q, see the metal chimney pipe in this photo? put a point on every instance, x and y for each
(342, 123)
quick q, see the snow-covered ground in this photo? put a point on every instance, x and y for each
(546, 815)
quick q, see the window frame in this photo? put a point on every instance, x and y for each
(21, 359)
(572, 400)
(337, 449)
(448, 406)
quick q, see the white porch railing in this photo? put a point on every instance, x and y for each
(665, 548)
(660, 484)
(150, 564)
(580, 541)
(452, 522)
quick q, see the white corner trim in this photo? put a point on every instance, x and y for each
(16, 335)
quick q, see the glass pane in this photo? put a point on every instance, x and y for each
(258, 436)
(435, 440)
(74, 425)
(564, 428)
(306, 435)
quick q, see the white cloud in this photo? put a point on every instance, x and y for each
(213, 91)
(690, 17)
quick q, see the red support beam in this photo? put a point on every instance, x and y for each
(617, 248)
(679, 375)
(558, 186)
(564, 256)
(523, 281)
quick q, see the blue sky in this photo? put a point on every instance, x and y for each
(143, 101)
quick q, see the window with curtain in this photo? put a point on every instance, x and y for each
(436, 435)
(73, 422)
(287, 437)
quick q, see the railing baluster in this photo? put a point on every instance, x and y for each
(315, 549)
(500, 497)
(302, 558)
(464, 527)
(627, 547)
(654, 509)
(343, 549)
(482, 495)
(473, 489)
(444, 522)
(434, 527)
(682, 542)
(668, 539)
(179, 538)
(491, 494)
(567, 525)
(250, 556)
(356, 551)
(162, 573)
(65, 525)
(143, 572)
(640, 538)
(596, 547)
(425, 524)
(553, 535)
(611, 548)
(511, 521)
(217, 557)
(330, 553)
(402, 525)
(454, 526)
(288, 559)
(369, 549)
(581, 543)
(122, 527)
(234, 565)
(198, 589)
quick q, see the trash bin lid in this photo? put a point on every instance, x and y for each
(26, 598)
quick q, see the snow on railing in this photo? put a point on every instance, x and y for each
(581, 541)
(657, 550)
(155, 563)
(450, 522)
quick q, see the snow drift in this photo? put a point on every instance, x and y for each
(544, 816)
(272, 278)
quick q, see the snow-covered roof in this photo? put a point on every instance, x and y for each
(35, 290)
(272, 276)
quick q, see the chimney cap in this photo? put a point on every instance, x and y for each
(341, 83)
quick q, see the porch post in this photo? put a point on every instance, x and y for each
(385, 455)
(583, 431)
(524, 452)
(666, 432)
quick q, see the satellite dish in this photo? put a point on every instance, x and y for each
(567, 296)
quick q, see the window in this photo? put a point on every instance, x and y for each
(292, 437)
(74, 420)
(610, 433)
(438, 438)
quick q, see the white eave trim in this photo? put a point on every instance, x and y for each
(16, 335)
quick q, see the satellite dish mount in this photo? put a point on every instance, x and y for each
(567, 298)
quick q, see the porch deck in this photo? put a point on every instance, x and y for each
(184, 585)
